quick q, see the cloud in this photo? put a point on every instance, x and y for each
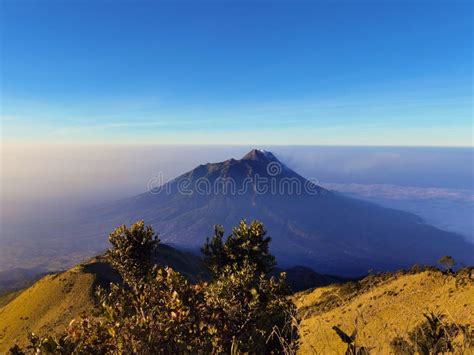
(396, 192)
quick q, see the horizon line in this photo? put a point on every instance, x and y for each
(255, 145)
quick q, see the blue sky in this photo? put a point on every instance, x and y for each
(237, 72)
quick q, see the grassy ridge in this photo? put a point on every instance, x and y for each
(393, 306)
(47, 306)
(8, 296)
(380, 307)
(51, 303)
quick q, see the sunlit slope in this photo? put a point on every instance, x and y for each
(380, 307)
(390, 307)
(51, 303)
(7, 297)
(47, 306)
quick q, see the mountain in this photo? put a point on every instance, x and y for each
(310, 226)
(18, 278)
(301, 278)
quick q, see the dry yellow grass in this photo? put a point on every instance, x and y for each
(8, 297)
(46, 307)
(392, 308)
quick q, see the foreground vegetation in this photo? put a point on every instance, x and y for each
(125, 303)
(422, 310)
(156, 310)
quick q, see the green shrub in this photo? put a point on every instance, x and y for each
(255, 312)
(156, 311)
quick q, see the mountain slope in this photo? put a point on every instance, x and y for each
(51, 303)
(373, 305)
(391, 307)
(310, 225)
(18, 278)
(301, 278)
(44, 307)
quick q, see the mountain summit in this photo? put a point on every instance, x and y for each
(309, 225)
(260, 155)
(258, 172)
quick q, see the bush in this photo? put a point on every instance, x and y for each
(157, 311)
(254, 310)
(447, 262)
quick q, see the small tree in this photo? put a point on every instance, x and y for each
(157, 310)
(132, 251)
(447, 262)
(246, 244)
(255, 314)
